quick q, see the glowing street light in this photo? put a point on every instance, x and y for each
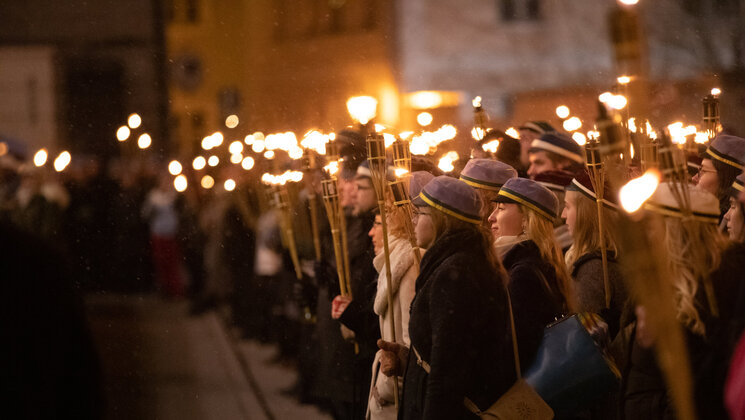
(174, 167)
(180, 183)
(562, 111)
(62, 161)
(40, 158)
(122, 133)
(144, 141)
(198, 163)
(134, 121)
(424, 119)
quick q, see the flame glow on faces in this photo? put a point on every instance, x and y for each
(198, 163)
(428, 141)
(247, 163)
(572, 124)
(213, 161)
(207, 182)
(62, 161)
(40, 157)
(232, 121)
(332, 168)
(512, 132)
(446, 162)
(144, 141)
(562, 111)
(579, 138)
(288, 176)
(174, 167)
(491, 147)
(633, 195)
(424, 119)
(716, 91)
(180, 183)
(122, 133)
(362, 108)
(229, 185)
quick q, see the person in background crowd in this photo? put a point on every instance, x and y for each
(454, 354)
(404, 270)
(724, 160)
(508, 150)
(486, 176)
(557, 181)
(554, 151)
(539, 284)
(356, 315)
(735, 216)
(695, 249)
(584, 257)
(530, 131)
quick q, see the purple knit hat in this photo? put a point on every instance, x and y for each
(452, 197)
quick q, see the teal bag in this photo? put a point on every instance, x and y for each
(570, 370)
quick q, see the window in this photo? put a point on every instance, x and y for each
(519, 10)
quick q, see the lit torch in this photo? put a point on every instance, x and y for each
(711, 113)
(479, 119)
(335, 215)
(378, 172)
(400, 189)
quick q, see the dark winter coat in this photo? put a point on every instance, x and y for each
(460, 326)
(536, 297)
(587, 273)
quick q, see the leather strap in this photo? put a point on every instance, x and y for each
(421, 362)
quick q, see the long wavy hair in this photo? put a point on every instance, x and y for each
(585, 235)
(694, 250)
(443, 223)
(541, 231)
(486, 197)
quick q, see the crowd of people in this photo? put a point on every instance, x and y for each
(447, 316)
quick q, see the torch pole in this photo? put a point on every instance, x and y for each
(378, 169)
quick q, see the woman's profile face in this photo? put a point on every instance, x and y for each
(506, 220)
(707, 177)
(376, 233)
(734, 219)
(424, 228)
(570, 210)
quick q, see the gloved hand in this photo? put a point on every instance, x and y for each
(339, 305)
(393, 359)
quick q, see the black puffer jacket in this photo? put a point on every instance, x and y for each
(536, 299)
(460, 326)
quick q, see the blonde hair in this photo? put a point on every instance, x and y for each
(694, 250)
(585, 235)
(541, 231)
(444, 223)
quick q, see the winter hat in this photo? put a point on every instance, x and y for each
(704, 205)
(560, 144)
(530, 194)
(487, 174)
(583, 184)
(417, 181)
(452, 197)
(540, 127)
(728, 149)
(738, 186)
(554, 180)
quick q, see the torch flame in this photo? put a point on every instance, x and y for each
(362, 108)
(623, 80)
(701, 137)
(638, 190)
(476, 102)
(562, 111)
(446, 162)
(491, 147)
(401, 172)
(389, 139)
(512, 132)
(716, 91)
(332, 168)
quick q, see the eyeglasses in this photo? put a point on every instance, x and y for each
(702, 171)
(416, 213)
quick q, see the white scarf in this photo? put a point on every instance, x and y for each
(402, 258)
(504, 243)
